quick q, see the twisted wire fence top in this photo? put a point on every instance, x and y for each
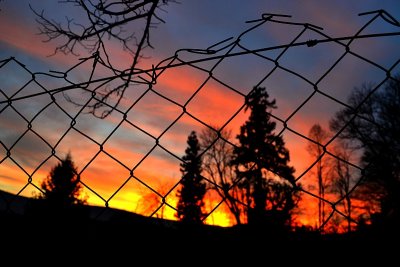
(128, 154)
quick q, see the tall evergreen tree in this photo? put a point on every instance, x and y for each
(261, 162)
(193, 189)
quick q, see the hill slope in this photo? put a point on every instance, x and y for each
(116, 232)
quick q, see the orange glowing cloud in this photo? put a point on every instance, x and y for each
(180, 83)
(215, 104)
(12, 178)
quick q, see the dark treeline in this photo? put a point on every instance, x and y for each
(253, 175)
(357, 182)
(366, 135)
(372, 127)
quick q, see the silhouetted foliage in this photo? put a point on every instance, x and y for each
(62, 189)
(372, 124)
(218, 169)
(261, 162)
(193, 189)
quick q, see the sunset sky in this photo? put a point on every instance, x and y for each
(195, 24)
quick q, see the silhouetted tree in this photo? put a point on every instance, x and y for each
(320, 136)
(62, 189)
(193, 188)
(261, 162)
(218, 169)
(343, 181)
(93, 25)
(372, 124)
(151, 203)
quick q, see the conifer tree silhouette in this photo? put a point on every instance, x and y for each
(61, 189)
(191, 194)
(261, 161)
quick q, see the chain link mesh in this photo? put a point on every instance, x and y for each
(44, 115)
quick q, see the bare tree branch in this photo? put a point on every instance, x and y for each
(127, 22)
(217, 167)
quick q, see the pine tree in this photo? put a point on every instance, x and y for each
(193, 189)
(261, 162)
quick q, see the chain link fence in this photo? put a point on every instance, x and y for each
(128, 149)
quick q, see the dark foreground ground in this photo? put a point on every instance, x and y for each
(98, 234)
